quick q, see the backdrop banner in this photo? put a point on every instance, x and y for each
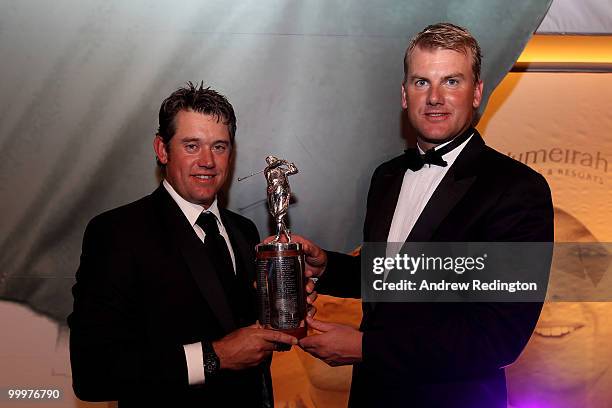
(315, 82)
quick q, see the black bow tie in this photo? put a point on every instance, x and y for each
(414, 160)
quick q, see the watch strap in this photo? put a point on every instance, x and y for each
(210, 359)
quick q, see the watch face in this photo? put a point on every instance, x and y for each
(211, 363)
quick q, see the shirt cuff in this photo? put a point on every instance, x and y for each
(195, 363)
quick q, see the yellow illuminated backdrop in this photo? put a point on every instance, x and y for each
(559, 123)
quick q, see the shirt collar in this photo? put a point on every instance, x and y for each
(192, 211)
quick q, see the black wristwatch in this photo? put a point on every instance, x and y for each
(211, 360)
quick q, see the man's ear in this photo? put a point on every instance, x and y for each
(404, 97)
(160, 149)
(477, 94)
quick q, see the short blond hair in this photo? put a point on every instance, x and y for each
(446, 36)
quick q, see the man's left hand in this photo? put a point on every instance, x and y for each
(311, 297)
(337, 344)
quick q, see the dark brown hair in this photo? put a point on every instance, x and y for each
(197, 99)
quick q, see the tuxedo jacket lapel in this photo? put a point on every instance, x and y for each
(192, 250)
(449, 192)
(385, 199)
(382, 201)
(242, 253)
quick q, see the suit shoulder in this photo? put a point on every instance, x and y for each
(242, 222)
(390, 166)
(511, 169)
(127, 214)
(235, 217)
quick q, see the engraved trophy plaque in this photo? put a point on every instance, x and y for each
(280, 265)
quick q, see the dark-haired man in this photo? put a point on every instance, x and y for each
(452, 188)
(164, 307)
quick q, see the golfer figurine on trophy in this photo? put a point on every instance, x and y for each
(279, 193)
(280, 265)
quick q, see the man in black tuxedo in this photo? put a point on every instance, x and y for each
(452, 189)
(164, 307)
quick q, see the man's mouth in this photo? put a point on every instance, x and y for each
(437, 115)
(557, 331)
(204, 176)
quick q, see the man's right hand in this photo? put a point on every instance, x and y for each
(316, 258)
(248, 346)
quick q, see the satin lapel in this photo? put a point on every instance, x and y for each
(378, 222)
(243, 255)
(385, 197)
(192, 250)
(450, 191)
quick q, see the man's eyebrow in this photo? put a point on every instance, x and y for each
(189, 139)
(444, 78)
(415, 76)
(454, 75)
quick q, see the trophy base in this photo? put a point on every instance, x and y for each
(298, 333)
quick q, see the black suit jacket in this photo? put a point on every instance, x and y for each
(144, 288)
(446, 354)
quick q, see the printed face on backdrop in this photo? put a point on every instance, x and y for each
(197, 158)
(570, 349)
(439, 94)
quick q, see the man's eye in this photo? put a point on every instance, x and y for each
(453, 82)
(219, 148)
(191, 147)
(420, 83)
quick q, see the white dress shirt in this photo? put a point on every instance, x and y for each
(193, 351)
(417, 189)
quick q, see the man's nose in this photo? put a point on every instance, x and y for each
(435, 96)
(206, 158)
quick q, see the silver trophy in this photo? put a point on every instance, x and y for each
(280, 265)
